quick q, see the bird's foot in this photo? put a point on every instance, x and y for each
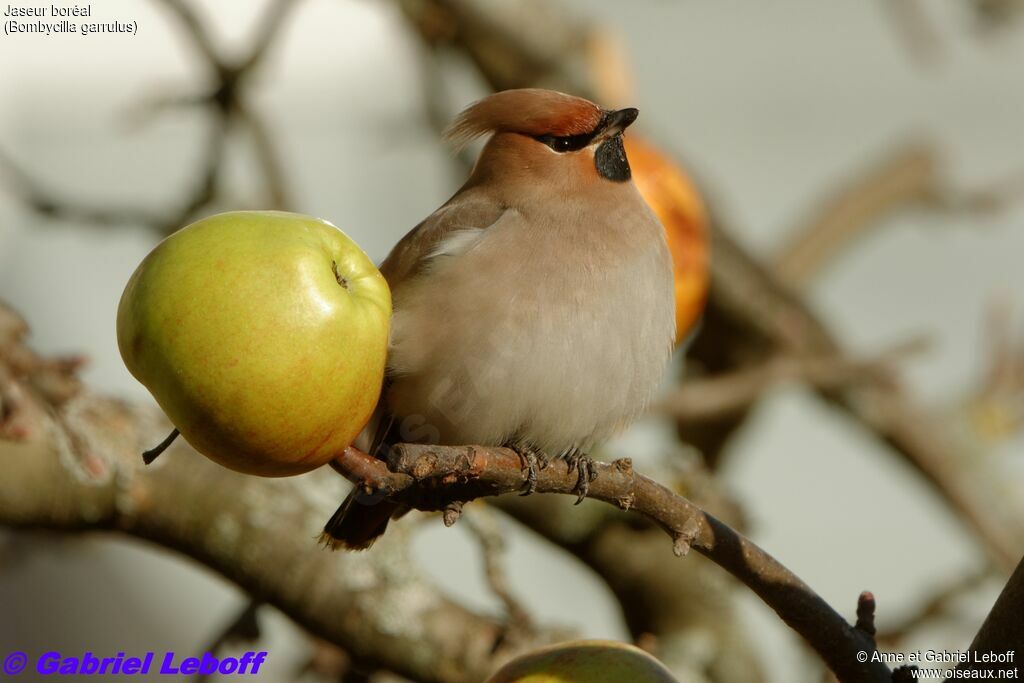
(532, 459)
(578, 461)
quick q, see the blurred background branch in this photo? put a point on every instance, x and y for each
(76, 468)
(228, 113)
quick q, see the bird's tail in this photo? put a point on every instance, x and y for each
(363, 517)
(359, 521)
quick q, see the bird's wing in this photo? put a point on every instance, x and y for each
(448, 231)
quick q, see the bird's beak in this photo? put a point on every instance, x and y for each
(617, 121)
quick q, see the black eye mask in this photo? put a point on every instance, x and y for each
(610, 155)
(573, 143)
(566, 143)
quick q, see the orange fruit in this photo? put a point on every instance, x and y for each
(674, 199)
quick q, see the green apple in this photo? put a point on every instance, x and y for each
(262, 335)
(584, 661)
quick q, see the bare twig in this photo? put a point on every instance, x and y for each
(905, 177)
(195, 32)
(688, 619)
(1001, 633)
(376, 606)
(244, 628)
(493, 35)
(990, 15)
(267, 156)
(331, 664)
(911, 177)
(995, 405)
(484, 525)
(866, 614)
(37, 197)
(227, 110)
(75, 468)
(914, 25)
(439, 474)
(270, 26)
(706, 398)
(935, 607)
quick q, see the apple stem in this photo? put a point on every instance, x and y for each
(153, 453)
(342, 280)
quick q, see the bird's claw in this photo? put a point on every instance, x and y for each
(577, 461)
(532, 460)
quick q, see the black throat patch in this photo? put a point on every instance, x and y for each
(610, 159)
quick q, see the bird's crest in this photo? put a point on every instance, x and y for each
(530, 111)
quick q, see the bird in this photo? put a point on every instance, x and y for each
(534, 309)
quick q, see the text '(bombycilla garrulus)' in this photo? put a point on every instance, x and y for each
(534, 309)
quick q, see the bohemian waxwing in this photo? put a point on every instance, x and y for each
(534, 309)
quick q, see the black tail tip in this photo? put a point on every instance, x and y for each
(328, 541)
(356, 525)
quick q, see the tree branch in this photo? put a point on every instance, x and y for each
(439, 475)
(1001, 632)
(483, 523)
(912, 22)
(224, 101)
(686, 617)
(71, 463)
(936, 606)
(699, 399)
(258, 533)
(910, 177)
(94, 480)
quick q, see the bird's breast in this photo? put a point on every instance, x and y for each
(553, 330)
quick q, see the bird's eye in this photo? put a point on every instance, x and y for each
(565, 143)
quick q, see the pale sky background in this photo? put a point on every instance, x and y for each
(773, 103)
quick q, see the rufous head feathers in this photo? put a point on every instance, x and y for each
(529, 111)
